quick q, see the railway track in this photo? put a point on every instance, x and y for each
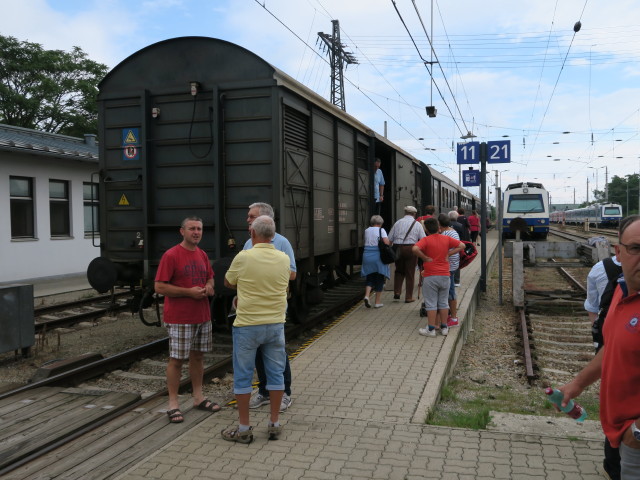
(70, 313)
(555, 329)
(572, 233)
(136, 380)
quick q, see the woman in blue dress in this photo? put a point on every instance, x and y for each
(372, 266)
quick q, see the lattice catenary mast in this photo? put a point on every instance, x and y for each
(338, 57)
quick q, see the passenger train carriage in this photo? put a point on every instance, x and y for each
(197, 126)
(529, 202)
(598, 215)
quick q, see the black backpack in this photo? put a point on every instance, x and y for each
(613, 273)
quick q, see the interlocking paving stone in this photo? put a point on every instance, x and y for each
(356, 392)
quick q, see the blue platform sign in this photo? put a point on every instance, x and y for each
(468, 153)
(499, 151)
(471, 178)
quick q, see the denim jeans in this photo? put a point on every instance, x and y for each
(375, 280)
(456, 276)
(262, 375)
(246, 341)
(452, 286)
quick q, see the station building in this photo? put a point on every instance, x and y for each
(48, 204)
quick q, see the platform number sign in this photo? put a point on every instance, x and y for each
(468, 153)
(499, 151)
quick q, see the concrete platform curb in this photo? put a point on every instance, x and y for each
(457, 337)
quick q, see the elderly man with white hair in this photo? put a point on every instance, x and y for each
(404, 234)
(261, 275)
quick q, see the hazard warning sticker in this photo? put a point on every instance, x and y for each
(123, 202)
(130, 144)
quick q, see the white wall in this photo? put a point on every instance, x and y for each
(44, 256)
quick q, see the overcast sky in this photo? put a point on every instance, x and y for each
(503, 67)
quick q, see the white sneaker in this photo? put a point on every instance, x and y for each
(285, 403)
(426, 332)
(444, 331)
(378, 305)
(258, 400)
(367, 303)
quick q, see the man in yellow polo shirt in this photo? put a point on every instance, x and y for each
(261, 275)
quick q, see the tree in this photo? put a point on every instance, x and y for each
(623, 188)
(48, 90)
(599, 196)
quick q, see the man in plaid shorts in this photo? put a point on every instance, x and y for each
(185, 278)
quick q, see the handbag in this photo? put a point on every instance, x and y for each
(387, 255)
(468, 254)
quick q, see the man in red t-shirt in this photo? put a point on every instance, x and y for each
(435, 250)
(617, 363)
(185, 278)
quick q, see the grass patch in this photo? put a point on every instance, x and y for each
(476, 420)
(448, 393)
(490, 376)
(466, 404)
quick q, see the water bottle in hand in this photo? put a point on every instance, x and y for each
(573, 409)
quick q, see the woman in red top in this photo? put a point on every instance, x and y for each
(474, 226)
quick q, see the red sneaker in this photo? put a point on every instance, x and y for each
(452, 322)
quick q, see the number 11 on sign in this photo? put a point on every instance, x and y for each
(468, 153)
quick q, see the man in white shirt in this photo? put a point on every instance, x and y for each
(405, 234)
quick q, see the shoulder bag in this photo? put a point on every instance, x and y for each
(395, 247)
(387, 255)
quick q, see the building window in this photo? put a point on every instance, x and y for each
(90, 198)
(21, 194)
(59, 208)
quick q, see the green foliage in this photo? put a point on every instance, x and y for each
(48, 90)
(623, 188)
(619, 193)
(448, 393)
(476, 419)
(466, 404)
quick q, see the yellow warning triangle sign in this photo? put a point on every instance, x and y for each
(131, 138)
(123, 200)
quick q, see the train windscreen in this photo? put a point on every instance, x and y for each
(611, 210)
(531, 203)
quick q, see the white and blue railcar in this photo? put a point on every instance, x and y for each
(597, 215)
(530, 202)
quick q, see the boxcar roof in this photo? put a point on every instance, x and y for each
(181, 60)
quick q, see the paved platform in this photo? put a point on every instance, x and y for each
(71, 285)
(361, 394)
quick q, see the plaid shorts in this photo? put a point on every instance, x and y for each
(186, 337)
